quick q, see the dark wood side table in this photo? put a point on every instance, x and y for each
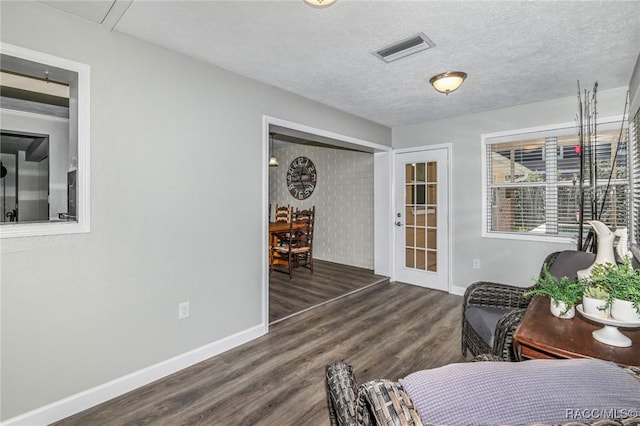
(541, 335)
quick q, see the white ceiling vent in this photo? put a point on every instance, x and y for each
(403, 48)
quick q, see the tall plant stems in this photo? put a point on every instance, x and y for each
(615, 156)
(594, 164)
(587, 122)
(581, 176)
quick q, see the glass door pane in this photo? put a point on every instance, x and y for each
(421, 188)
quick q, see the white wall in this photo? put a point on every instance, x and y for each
(30, 197)
(168, 218)
(502, 260)
(343, 198)
(634, 90)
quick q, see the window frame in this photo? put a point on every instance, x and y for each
(553, 130)
(634, 161)
(82, 224)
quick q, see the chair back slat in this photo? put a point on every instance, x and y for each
(282, 213)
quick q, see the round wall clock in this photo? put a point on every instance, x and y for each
(301, 178)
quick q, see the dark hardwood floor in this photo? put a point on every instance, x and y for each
(387, 330)
(289, 296)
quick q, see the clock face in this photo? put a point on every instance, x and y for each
(301, 178)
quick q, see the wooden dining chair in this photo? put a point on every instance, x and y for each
(306, 216)
(296, 247)
(282, 213)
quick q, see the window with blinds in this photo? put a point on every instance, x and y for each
(635, 159)
(532, 181)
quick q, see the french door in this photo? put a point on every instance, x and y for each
(421, 218)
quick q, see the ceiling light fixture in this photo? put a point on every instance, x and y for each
(273, 161)
(447, 82)
(319, 3)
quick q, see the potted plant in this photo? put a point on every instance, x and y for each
(595, 299)
(563, 292)
(622, 282)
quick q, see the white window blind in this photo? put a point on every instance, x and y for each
(532, 182)
(635, 159)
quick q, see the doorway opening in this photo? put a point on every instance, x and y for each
(24, 161)
(344, 232)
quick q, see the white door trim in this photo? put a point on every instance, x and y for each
(449, 149)
(383, 213)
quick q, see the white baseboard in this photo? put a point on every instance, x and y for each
(86, 399)
(457, 290)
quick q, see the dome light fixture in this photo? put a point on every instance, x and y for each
(447, 82)
(319, 3)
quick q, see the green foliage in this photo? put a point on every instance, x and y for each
(533, 176)
(620, 281)
(595, 291)
(595, 285)
(561, 289)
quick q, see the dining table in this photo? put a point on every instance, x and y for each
(275, 227)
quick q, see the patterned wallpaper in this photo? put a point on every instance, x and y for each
(343, 198)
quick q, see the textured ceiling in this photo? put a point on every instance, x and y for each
(514, 52)
(94, 10)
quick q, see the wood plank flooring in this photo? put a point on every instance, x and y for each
(288, 296)
(387, 330)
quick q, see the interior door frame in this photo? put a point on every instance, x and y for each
(448, 147)
(382, 204)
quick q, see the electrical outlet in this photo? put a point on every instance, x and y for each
(476, 263)
(183, 310)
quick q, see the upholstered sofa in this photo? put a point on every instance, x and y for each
(568, 392)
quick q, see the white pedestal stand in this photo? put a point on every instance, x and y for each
(609, 334)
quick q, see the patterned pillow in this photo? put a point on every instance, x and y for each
(536, 391)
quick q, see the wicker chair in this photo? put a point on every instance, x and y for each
(385, 402)
(492, 311)
(352, 405)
